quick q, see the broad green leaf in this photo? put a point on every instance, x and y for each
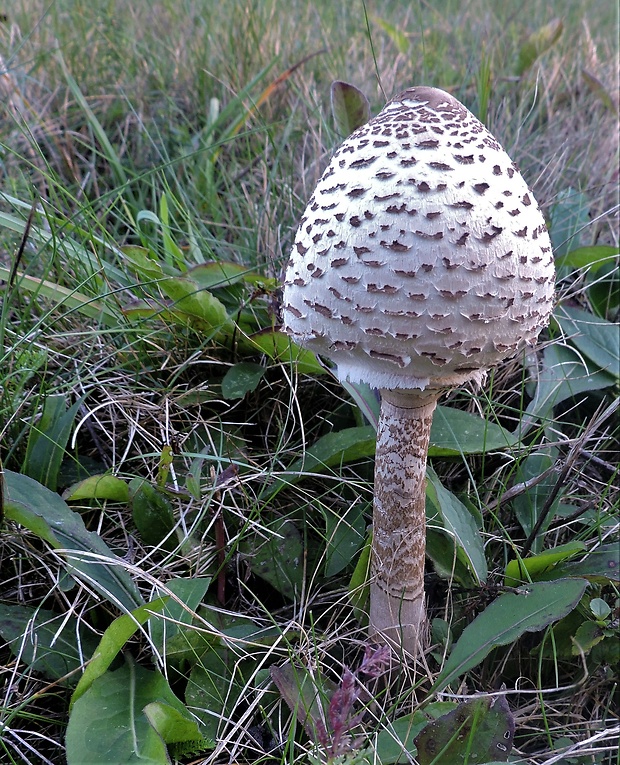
(190, 592)
(596, 338)
(344, 535)
(50, 643)
(350, 107)
(395, 744)
(142, 261)
(532, 608)
(459, 524)
(221, 273)
(359, 587)
(565, 373)
(331, 450)
(108, 723)
(48, 439)
(152, 514)
(441, 550)
(529, 505)
(588, 257)
(477, 731)
(150, 309)
(214, 687)
(191, 299)
(337, 448)
(604, 290)
(279, 558)
(173, 725)
(88, 557)
(457, 432)
(278, 347)
(104, 486)
(538, 43)
(600, 608)
(189, 644)
(587, 636)
(452, 432)
(367, 399)
(558, 642)
(241, 378)
(601, 566)
(569, 218)
(523, 569)
(112, 641)
(606, 653)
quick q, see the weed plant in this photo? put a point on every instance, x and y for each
(187, 497)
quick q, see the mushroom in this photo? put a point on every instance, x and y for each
(421, 261)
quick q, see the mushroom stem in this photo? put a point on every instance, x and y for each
(397, 608)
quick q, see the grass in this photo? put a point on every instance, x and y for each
(153, 139)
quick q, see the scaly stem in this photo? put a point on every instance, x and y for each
(397, 609)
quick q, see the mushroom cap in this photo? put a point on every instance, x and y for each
(422, 258)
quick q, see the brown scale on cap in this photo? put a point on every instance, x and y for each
(442, 268)
(452, 253)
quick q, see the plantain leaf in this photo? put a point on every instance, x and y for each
(565, 373)
(215, 685)
(112, 640)
(359, 587)
(529, 505)
(459, 524)
(530, 609)
(570, 216)
(241, 378)
(142, 262)
(48, 439)
(454, 431)
(601, 566)
(278, 347)
(50, 643)
(191, 299)
(88, 557)
(221, 273)
(344, 534)
(477, 731)
(593, 336)
(152, 514)
(104, 486)
(279, 558)
(189, 592)
(518, 571)
(108, 724)
(588, 257)
(172, 725)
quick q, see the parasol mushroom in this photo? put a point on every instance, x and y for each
(421, 261)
